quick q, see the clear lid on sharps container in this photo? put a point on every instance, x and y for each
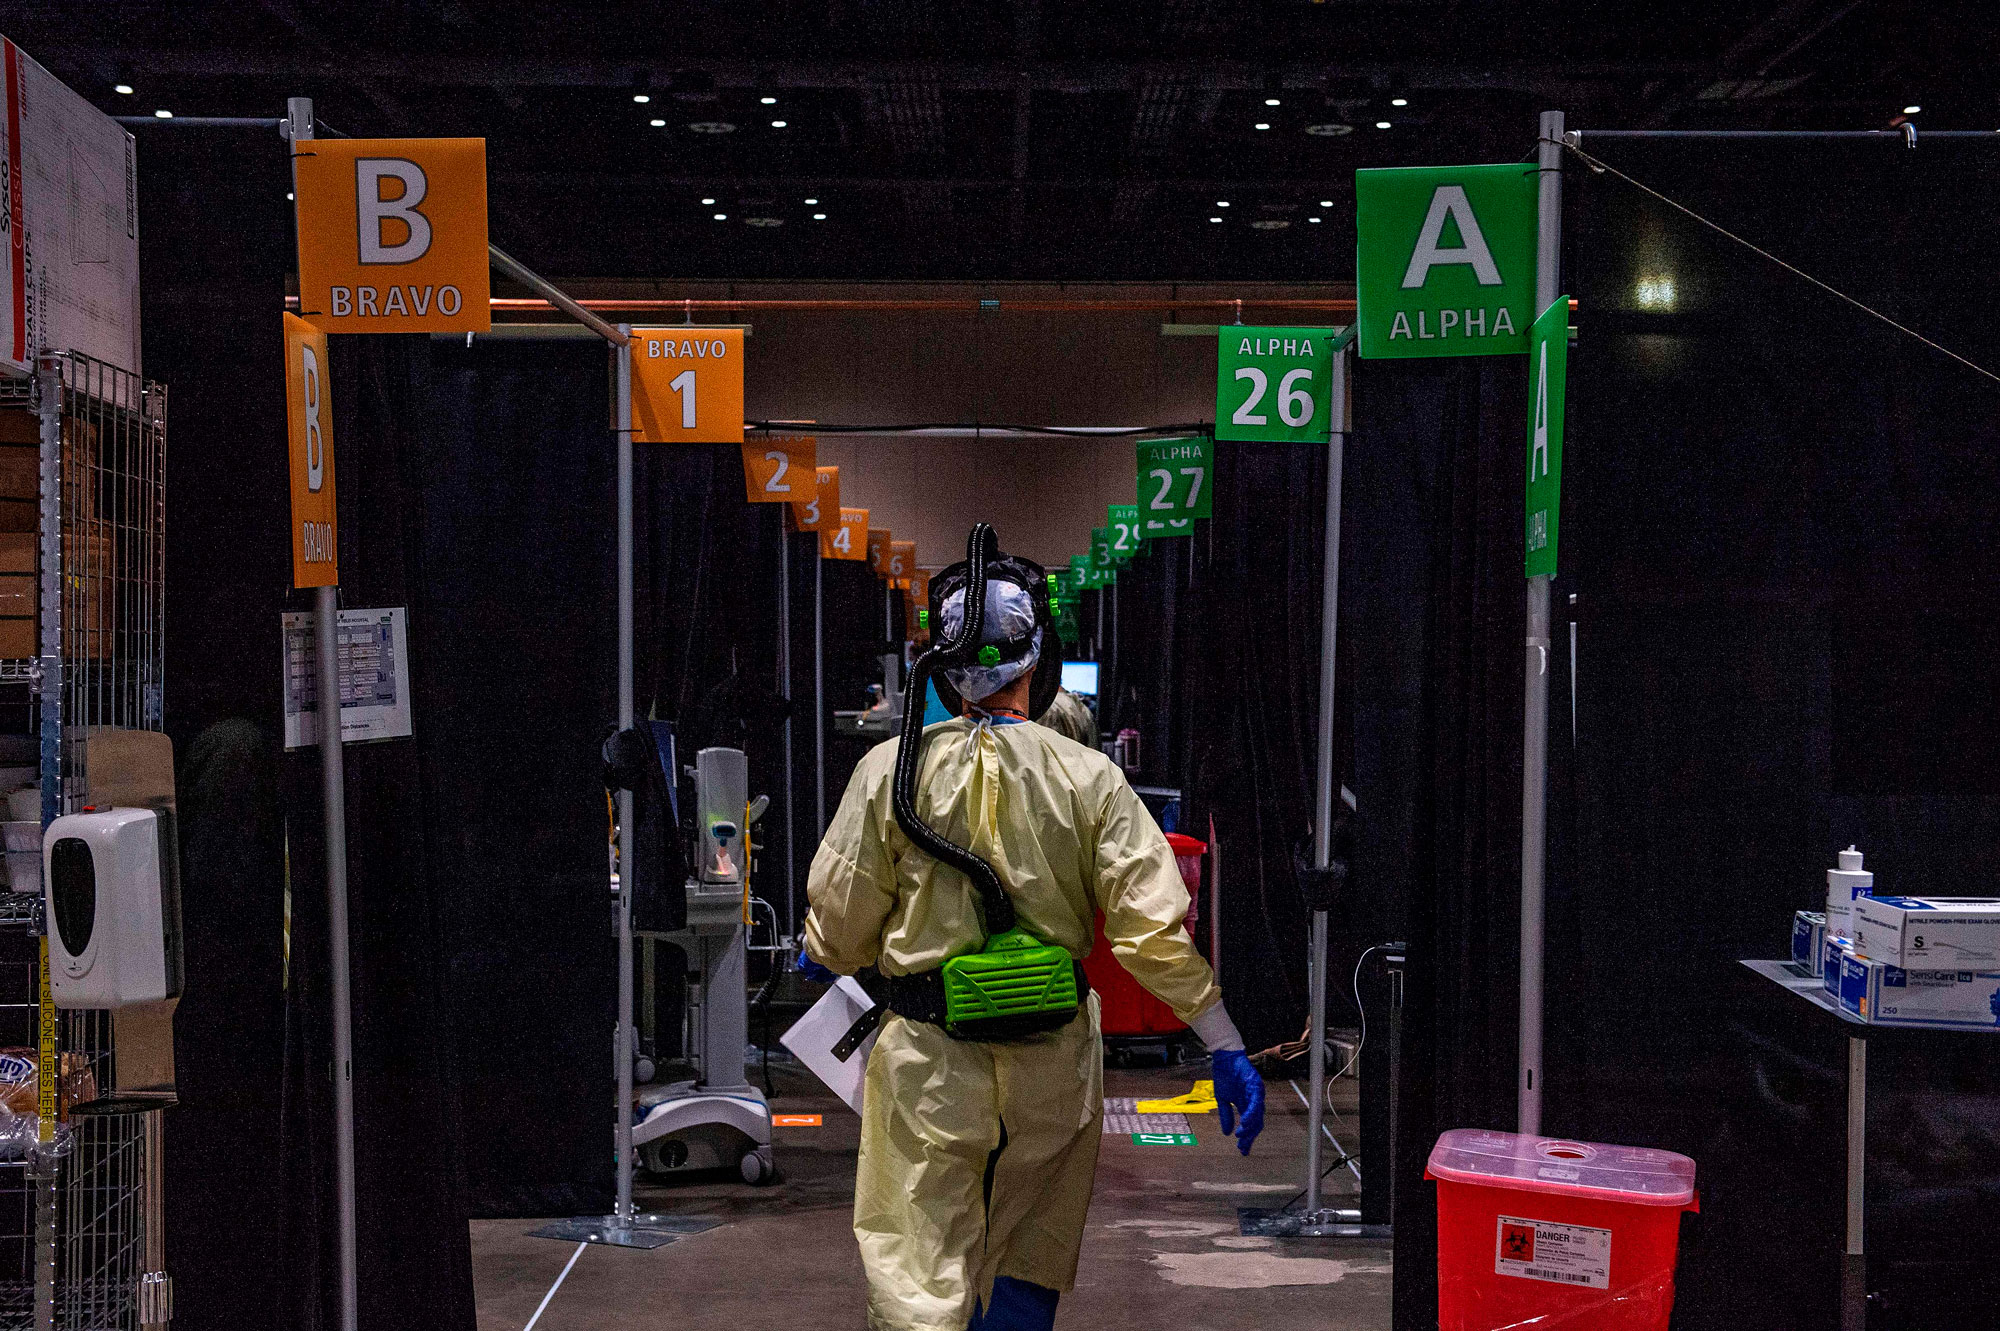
(1634, 1174)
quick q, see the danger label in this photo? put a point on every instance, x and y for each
(1561, 1254)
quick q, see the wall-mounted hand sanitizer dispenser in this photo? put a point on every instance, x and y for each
(111, 882)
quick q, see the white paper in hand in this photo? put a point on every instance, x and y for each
(813, 1037)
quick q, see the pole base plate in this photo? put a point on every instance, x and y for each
(1327, 1223)
(644, 1230)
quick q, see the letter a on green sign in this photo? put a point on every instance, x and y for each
(1548, 378)
(1445, 260)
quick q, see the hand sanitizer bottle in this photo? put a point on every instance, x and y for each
(1844, 884)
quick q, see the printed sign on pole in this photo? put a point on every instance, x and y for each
(1101, 557)
(846, 538)
(392, 235)
(1445, 259)
(1126, 534)
(777, 469)
(1273, 383)
(821, 510)
(309, 417)
(878, 551)
(687, 385)
(902, 561)
(1548, 381)
(1174, 485)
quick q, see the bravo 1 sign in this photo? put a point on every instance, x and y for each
(687, 385)
(392, 235)
(1444, 260)
(309, 413)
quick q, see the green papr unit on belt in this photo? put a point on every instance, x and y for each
(1016, 984)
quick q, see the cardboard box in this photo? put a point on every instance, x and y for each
(1830, 954)
(1882, 994)
(1928, 933)
(1809, 940)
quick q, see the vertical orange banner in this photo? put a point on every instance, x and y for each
(309, 421)
(878, 551)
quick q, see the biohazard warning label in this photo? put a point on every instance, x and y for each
(1561, 1254)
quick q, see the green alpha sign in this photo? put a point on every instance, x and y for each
(1103, 563)
(1123, 522)
(1273, 383)
(1084, 573)
(1445, 259)
(1174, 485)
(1548, 377)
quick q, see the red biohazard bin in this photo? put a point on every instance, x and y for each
(1538, 1231)
(1125, 1008)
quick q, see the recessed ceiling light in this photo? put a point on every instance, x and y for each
(1399, 101)
(819, 217)
(656, 123)
(291, 196)
(1272, 101)
(709, 202)
(164, 115)
(1263, 124)
(768, 101)
(777, 124)
(809, 202)
(1326, 203)
(1329, 129)
(1911, 110)
(641, 98)
(1269, 224)
(1215, 219)
(122, 89)
(1312, 219)
(1381, 124)
(722, 217)
(1222, 203)
(712, 126)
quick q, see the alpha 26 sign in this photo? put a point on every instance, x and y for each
(1445, 260)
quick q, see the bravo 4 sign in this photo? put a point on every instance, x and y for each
(1445, 260)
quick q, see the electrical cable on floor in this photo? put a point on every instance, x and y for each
(543, 1306)
(1605, 167)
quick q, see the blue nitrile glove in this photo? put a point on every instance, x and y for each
(813, 971)
(1239, 1091)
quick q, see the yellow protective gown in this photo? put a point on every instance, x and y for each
(1068, 838)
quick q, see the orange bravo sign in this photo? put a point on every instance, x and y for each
(848, 539)
(779, 469)
(821, 511)
(309, 413)
(392, 235)
(687, 385)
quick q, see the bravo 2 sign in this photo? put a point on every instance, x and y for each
(392, 235)
(1445, 260)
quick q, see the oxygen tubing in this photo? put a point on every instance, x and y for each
(959, 650)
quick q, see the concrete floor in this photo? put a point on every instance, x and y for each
(1162, 1249)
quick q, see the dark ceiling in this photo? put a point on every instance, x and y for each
(975, 139)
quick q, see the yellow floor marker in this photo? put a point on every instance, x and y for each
(1200, 1099)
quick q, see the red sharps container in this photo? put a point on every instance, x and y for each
(1543, 1232)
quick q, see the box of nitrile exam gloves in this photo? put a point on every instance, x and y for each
(1809, 939)
(1877, 992)
(1928, 933)
(1830, 953)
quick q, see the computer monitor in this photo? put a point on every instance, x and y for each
(1080, 677)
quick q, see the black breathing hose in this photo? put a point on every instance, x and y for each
(961, 649)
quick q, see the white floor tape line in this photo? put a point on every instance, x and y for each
(543, 1307)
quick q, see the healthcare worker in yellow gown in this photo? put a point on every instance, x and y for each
(977, 1158)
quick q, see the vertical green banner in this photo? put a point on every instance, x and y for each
(1273, 383)
(1444, 259)
(1126, 534)
(1548, 378)
(1173, 480)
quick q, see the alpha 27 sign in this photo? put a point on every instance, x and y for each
(1444, 260)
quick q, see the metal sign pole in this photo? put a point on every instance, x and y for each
(1535, 717)
(819, 696)
(785, 692)
(333, 777)
(621, 1216)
